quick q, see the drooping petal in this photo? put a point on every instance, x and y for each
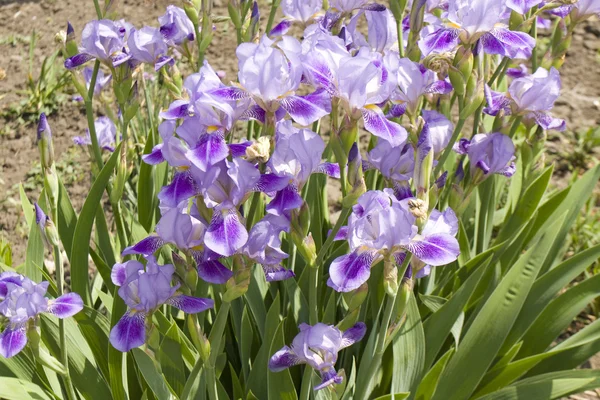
(307, 109)
(129, 332)
(145, 246)
(548, 122)
(66, 305)
(269, 183)
(155, 157)
(435, 249)
(330, 169)
(440, 41)
(118, 274)
(320, 74)
(277, 273)
(226, 234)
(181, 188)
(284, 359)
(212, 271)
(12, 341)
(329, 377)
(189, 304)
(353, 334)
(376, 123)
(177, 109)
(211, 149)
(281, 28)
(507, 43)
(285, 200)
(230, 93)
(439, 87)
(349, 271)
(496, 102)
(77, 60)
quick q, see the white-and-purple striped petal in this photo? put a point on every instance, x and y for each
(307, 109)
(118, 274)
(353, 334)
(284, 359)
(177, 109)
(225, 234)
(270, 183)
(211, 149)
(349, 271)
(155, 157)
(441, 41)
(496, 102)
(548, 122)
(439, 87)
(129, 332)
(12, 341)
(275, 273)
(189, 304)
(507, 43)
(66, 305)
(230, 93)
(145, 246)
(435, 249)
(329, 169)
(377, 124)
(77, 60)
(180, 189)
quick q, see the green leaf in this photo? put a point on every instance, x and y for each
(486, 334)
(409, 351)
(94, 327)
(440, 323)
(171, 359)
(397, 396)
(145, 190)
(246, 342)
(115, 357)
(558, 315)
(298, 302)
(83, 230)
(67, 218)
(18, 389)
(154, 378)
(429, 383)
(26, 206)
(280, 383)
(34, 258)
(546, 287)
(255, 300)
(104, 245)
(549, 386)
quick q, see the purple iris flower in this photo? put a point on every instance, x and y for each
(380, 227)
(106, 131)
(586, 8)
(478, 21)
(297, 155)
(522, 6)
(532, 96)
(23, 300)
(396, 164)
(175, 26)
(416, 81)
(148, 45)
(264, 247)
(518, 72)
(439, 128)
(490, 153)
(318, 346)
(270, 73)
(301, 10)
(102, 40)
(382, 31)
(145, 290)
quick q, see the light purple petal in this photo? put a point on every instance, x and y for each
(269, 183)
(522, 6)
(353, 334)
(12, 341)
(284, 359)
(118, 274)
(496, 102)
(329, 377)
(155, 156)
(349, 271)
(440, 41)
(210, 149)
(277, 273)
(230, 93)
(439, 87)
(342, 233)
(284, 201)
(307, 109)
(226, 234)
(548, 122)
(436, 249)
(191, 305)
(396, 111)
(180, 189)
(508, 43)
(320, 74)
(177, 109)
(66, 305)
(145, 246)
(330, 169)
(212, 271)
(376, 123)
(509, 171)
(129, 332)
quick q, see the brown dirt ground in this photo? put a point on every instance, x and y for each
(579, 104)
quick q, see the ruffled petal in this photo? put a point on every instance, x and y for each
(435, 249)
(307, 109)
(211, 149)
(349, 271)
(189, 304)
(129, 332)
(12, 341)
(283, 359)
(440, 41)
(376, 123)
(226, 234)
(66, 305)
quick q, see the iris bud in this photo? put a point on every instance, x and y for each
(355, 298)
(238, 284)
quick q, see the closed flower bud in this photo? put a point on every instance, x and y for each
(238, 284)
(204, 348)
(44, 141)
(70, 42)
(51, 185)
(355, 298)
(191, 11)
(307, 248)
(390, 276)
(456, 197)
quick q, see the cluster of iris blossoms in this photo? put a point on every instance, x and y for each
(358, 78)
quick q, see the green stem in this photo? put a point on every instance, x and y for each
(534, 34)
(306, 383)
(446, 153)
(498, 72)
(313, 287)
(98, 9)
(187, 390)
(274, 6)
(216, 335)
(89, 112)
(515, 126)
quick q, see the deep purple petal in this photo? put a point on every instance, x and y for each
(129, 332)
(329, 169)
(277, 273)
(376, 123)
(373, 7)
(155, 156)
(77, 60)
(12, 341)
(329, 377)
(212, 271)
(353, 334)
(281, 28)
(118, 274)
(189, 304)
(239, 149)
(507, 43)
(177, 109)
(440, 41)
(307, 109)
(225, 234)
(145, 246)
(283, 359)
(66, 305)
(269, 183)
(211, 149)
(162, 61)
(436, 249)
(349, 271)
(509, 171)
(285, 200)
(181, 188)
(396, 111)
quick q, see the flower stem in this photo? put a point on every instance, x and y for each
(499, 72)
(98, 10)
(313, 286)
(216, 335)
(446, 153)
(515, 126)
(274, 6)
(306, 383)
(89, 112)
(187, 389)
